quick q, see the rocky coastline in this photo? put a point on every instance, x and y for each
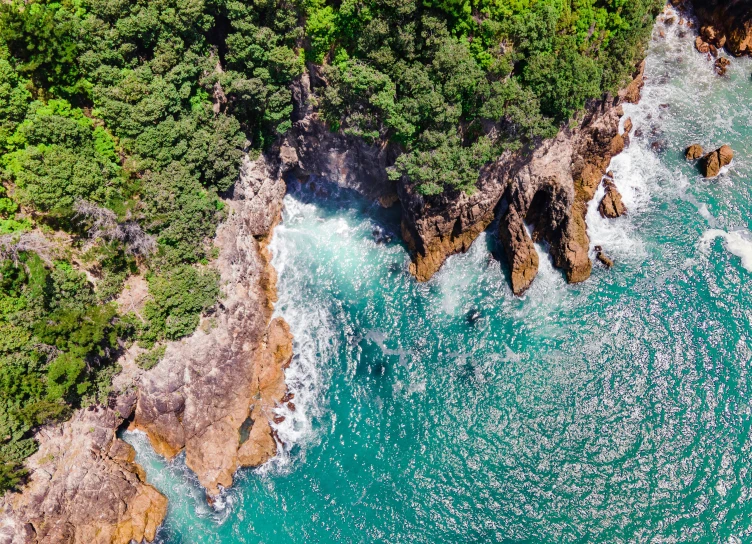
(214, 394)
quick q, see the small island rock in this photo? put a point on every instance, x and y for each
(694, 152)
(711, 164)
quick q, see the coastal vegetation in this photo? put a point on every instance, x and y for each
(123, 123)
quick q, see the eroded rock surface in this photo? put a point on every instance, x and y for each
(722, 23)
(693, 152)
(230, 376)
(611, 205)
(84, 486)
(711, 164)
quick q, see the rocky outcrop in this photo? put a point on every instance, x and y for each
(441, 225)
(611, 205)
(214, 393)
(711, 164)
(84, 486)
(520, 251)
(722, 23)
(548, 188)
(693, 152)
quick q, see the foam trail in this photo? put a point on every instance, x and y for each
(736, 242)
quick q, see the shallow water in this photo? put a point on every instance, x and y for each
(617, 410)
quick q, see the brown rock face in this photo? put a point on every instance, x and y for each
(605, 259)
(693, 152)
(611, 205)
(523, 259)
(725, 23)
(548, 188)
(711, 164)
(721, 66)
(84, 487)
(212, 383)
(701, 45)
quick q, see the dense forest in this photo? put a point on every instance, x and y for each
(123, 122)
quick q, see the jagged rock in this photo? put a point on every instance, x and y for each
(212, 383)
(701, 45)
(721, 66)
(84, 487)
(521, 254)
(711, 164)
(693, 152)
(725, 23)
(604, 259)
(628, 125)
(611, 205)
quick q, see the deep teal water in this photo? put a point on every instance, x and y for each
(617, 410)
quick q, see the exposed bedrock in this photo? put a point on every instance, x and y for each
(345, 160)
(84, 486)
(722, 23)
(230, 373)
(548, 189)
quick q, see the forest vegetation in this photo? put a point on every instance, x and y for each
(115, 153)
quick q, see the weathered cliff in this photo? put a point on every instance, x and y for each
(84, 487)
(214, 393)
(548, 188)
(345, 160)
(723, 23)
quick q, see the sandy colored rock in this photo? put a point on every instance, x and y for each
(611, 205)
(711, 164)
(209, 384)
(693, 152)
(721, 66)
(520, 250)
(604, 259)
(701, 45)
(628, 125)
(84, 487)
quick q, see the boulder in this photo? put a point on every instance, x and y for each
(702, 46)
(721, 66)
(605, 259)
(611, 205)
(693, 152)
(711, 164)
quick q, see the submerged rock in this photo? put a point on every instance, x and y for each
(693, 152)
(473, 316)
(611, 205)
(711, 164)
(604, 259)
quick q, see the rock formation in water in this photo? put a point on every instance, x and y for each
(693, 152)
(611, 205)
(84, 487)
(711, 164)
(722, 23)
(214, 393)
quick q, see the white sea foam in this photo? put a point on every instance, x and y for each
(736, 242)
(310, 324)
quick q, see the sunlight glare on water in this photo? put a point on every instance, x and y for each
(617, 410)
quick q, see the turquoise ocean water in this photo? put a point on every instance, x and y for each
(617, 410)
